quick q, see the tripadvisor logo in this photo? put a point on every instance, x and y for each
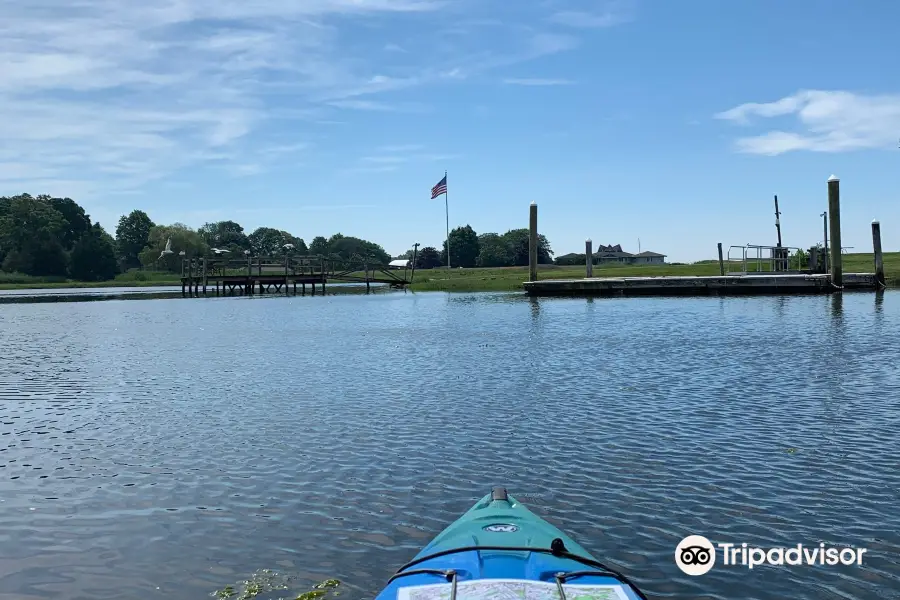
(696, 555)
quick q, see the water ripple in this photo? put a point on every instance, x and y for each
(167, 448)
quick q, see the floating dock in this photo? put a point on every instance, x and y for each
(716, 285)
(772, 271)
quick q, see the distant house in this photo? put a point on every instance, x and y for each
(400, 263)
(648, 258)
(615, 254)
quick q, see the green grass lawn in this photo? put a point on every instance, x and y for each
(467, 280)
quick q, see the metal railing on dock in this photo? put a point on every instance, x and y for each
(753, 258)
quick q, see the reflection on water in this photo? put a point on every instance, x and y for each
(157, 292)
(165, 449)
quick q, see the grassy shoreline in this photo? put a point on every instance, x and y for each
(478, 279)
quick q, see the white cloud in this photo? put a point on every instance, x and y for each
(534, 81)
(826, 121)
(105, 96)
(113, 94)
(592, 14)
(577, 18)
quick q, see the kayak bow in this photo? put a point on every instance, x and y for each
(499, 543)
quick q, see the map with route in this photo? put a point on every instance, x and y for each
(511, 589)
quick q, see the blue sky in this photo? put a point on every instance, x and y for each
(670, 121)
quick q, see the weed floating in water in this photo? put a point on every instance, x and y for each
(266, 584)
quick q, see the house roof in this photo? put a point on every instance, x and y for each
(400, 262)
(648, 254)
(612, 254)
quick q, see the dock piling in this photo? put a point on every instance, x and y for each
(205, 279)
(721, 261)
(588, 258)
(879, 258)
(532, 243)
(834, 216)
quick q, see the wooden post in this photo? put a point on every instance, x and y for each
(287, 260)
(834, 215)
(721, 261)
(532, 243)
(324, 276)
(190, 279)
(879, 258)
(205, 278)
(588, 258)
(415, 255)
(259, 266)
(367, 276)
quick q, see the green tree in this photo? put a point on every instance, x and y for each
(266, 241)
(132, 235)
(463, 247)
(77, 223)
(184, 239)
(347, 247)
(518, 244)
(493, 251)
(30, 233)
(428, 258)
(318, 246)
(227, 235)
(301, 247)
(93, 256)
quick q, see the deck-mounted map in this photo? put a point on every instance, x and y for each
(511, 589)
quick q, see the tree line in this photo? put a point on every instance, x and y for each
(47, 236)
(469, 249)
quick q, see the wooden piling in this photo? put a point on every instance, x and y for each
(532, 243)
(287, 260)
(205, 279)
(879, 257)
(834, 215)
(412, 275)
(588, 258)
(190, 279)
(721, 261)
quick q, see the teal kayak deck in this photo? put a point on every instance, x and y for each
(499, 542)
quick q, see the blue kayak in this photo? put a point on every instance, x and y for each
(500, 549)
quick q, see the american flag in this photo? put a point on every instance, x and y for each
(440, 188)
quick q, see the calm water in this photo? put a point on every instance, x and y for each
(166, 448)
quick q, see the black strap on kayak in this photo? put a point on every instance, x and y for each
(556, 549)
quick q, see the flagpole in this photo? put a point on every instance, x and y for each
(447, 213)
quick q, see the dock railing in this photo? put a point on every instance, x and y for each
(753, 258)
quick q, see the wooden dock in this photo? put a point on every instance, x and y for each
(716, 285)
(776, 269)
(283, 275)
